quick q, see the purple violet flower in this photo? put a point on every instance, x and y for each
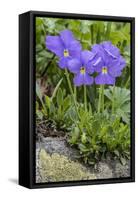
(65, 46)
(82, 68)
(109, 64)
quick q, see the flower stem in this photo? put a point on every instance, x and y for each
(113, 101)
(74, 100)
(85, 98)
(71, 91)
(127, 83)
(75, 93)
(102, 98)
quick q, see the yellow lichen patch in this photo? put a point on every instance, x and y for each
(56, 167)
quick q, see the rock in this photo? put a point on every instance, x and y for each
(58, 145)
(58, 149)
(112, 169)
(38, 176)
(121, 170)
(56, 168)
(103, 171)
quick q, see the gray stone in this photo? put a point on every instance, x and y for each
(121, 170)
(104, 169)
(58, 145)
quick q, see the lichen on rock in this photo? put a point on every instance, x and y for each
(56, 168)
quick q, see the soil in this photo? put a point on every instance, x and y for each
(47, 129)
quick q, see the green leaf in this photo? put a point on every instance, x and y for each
(39, 48)
(83, 148)
(90, 108)
(38, 92)
(39, 21)
(123, 160)
(56, 89)
(44, 54)
(39, 114)
(72, 114)
(59, 97)
(83, 138)
(48, 101)
(66, 103)
(74, 135)
(52, 109)
(122, 101)
(116, 153)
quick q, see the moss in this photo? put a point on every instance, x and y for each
(56, 167)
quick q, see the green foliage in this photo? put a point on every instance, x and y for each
(102, 134)
(121, 98)
(120, 37)
(57, 108)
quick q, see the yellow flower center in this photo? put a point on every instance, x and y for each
(82, 70)
(104, 70)
(66, 53)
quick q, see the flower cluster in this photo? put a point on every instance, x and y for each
(104, 59)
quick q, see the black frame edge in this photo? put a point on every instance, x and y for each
(133, 99)
(24, 96)
(82, 16)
